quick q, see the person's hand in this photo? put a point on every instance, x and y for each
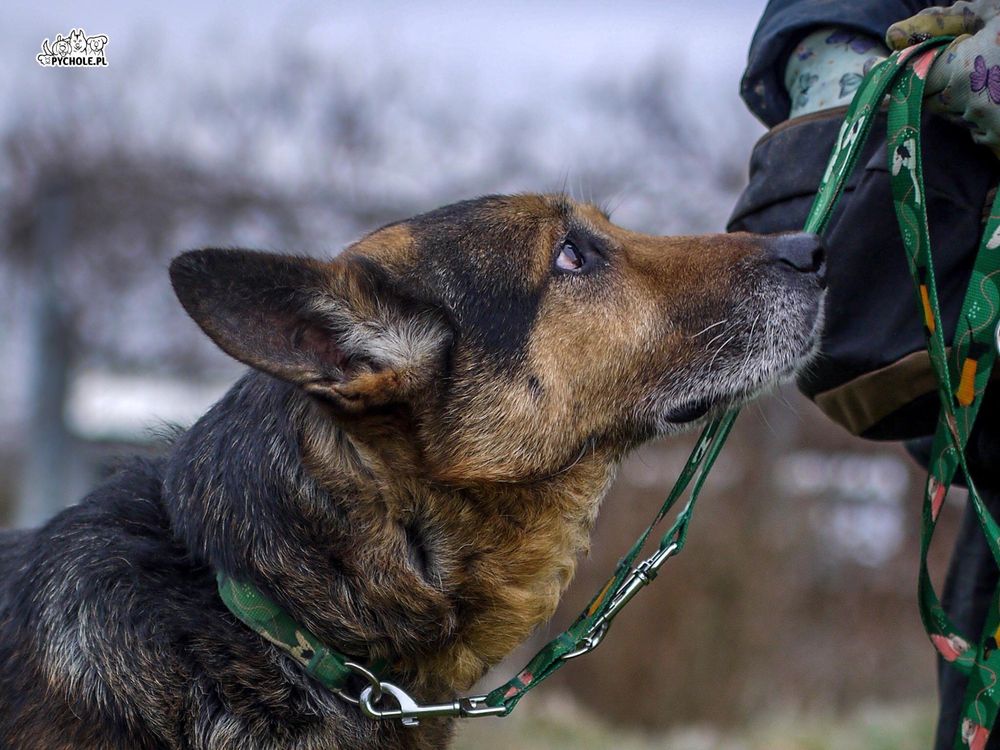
(963, 17)
(964, 82)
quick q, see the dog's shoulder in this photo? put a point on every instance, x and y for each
(66, 591)
(107, 531)
(108, 618)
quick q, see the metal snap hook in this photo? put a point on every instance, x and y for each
(409, 712)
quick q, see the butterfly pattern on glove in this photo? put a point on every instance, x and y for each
(983, 78)
(963, 84)
(859, 43)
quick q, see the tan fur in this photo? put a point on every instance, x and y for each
(463, 387)
(391, 246)
(511, 484)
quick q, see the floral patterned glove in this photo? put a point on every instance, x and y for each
(963, 17)
(964, 82)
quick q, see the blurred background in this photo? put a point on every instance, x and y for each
(789, 622)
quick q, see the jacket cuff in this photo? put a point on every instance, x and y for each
(786, 22)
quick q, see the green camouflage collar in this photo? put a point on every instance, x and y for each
(259, 613)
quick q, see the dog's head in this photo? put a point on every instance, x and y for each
(500, 338)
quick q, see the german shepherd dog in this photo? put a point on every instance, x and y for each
(410, 469)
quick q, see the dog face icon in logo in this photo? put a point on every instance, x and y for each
(61, 46)
(77, 41)
(74, 50)
(96, 44)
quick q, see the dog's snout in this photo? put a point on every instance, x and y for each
(799, 251)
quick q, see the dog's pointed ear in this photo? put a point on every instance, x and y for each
(339, 330)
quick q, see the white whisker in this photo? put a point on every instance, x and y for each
(716, 338)
(753, 326)
(763, 416)
(721, 347)
(708, 328)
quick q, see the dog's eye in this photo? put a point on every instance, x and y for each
(569, 258)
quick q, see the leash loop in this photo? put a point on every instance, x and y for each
(962, 375)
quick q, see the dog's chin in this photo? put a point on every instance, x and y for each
(765, 377)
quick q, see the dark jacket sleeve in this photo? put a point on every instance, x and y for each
(783, 25)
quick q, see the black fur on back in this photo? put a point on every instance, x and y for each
(112, 634)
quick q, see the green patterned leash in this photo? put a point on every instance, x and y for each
(962, 377)
(592, 625)
(962, 374)
(255, 610)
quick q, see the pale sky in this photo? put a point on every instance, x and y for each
(508, 48)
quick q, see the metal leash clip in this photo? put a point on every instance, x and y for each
(640, 577)
(410, 712)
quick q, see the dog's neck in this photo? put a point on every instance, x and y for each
(441, 582)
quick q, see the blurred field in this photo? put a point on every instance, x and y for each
(556, 724)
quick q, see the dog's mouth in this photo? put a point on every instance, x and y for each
(757, 376)
(698, 410)
(690, 411)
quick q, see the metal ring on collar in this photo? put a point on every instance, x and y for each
(374, 684)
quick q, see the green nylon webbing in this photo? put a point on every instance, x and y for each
(972, 356)
(962, 380)
(962, 377)
(259, 613)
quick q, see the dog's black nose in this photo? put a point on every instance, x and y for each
(799, 251)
